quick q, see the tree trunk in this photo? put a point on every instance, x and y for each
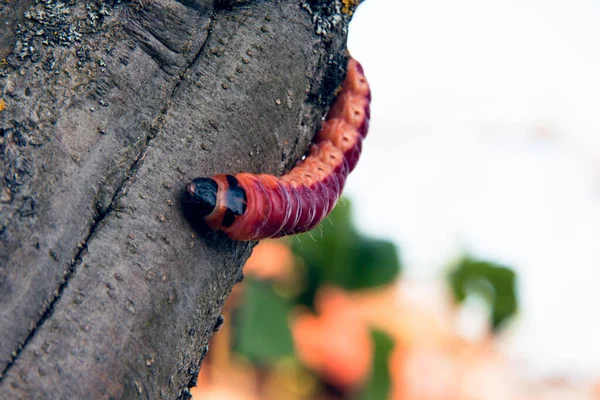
(111, 107)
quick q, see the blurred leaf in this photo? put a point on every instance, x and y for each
(376, 263)
(262, 330)
(379, 386)
(494, 283)
(336, 253)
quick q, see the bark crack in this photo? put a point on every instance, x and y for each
(97, 220)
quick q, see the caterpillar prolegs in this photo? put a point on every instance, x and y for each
(250, 207)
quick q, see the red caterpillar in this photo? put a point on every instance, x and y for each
(252, 207)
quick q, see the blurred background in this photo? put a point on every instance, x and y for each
(465, 260)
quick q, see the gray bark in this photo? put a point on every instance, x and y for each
(106, 291)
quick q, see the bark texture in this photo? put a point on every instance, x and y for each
(111, 107)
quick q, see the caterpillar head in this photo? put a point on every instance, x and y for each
(219, 200)
(201, 194)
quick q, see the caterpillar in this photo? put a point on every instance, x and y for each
(250, 207)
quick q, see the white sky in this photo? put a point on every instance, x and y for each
(485, 137)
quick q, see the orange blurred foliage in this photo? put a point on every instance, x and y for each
(406, 320)
(430, 360)
(336, 344)
(270, 260)
(219, 392)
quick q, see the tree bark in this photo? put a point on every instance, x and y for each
(111, 107)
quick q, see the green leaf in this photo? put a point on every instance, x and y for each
(262, 332)
(379, 385)
(337, 254)
(495, 283)
(375, 263)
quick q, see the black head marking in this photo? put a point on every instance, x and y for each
(201, 194)
(236, 200)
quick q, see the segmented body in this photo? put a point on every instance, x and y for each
(249, 207)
